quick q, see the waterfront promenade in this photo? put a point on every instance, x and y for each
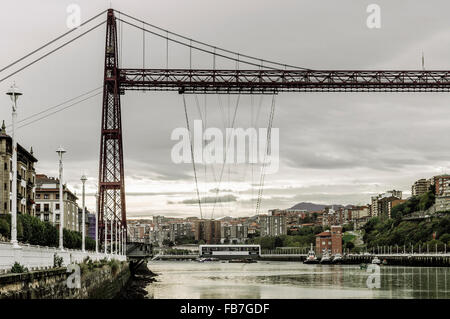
(40, 257)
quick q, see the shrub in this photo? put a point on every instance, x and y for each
(114, 264)
(5, 228)
(57, 261)
(18, 268)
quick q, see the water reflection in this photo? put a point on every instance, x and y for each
(292, 280)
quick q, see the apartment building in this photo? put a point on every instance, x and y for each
(180, 230)
(420, 187)
(442, 187)
(208, 231)
(272, 225)
(47, 202)
(26, 176)
(442, 184)
(382, 204)
(234, 234)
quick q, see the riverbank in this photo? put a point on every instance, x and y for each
(134, 289)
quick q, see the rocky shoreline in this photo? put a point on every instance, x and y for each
(135, 288)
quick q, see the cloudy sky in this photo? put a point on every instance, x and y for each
(334, 147)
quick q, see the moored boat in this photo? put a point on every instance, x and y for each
(243, 260)
(337, 259)
(326, 258)
(376, 261)
(311, 258)
(202, 260)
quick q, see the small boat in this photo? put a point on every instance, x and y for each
(311, 258)
(202, 260)
(326, 258)
(337, 259)
(242, 260)
(376, 261)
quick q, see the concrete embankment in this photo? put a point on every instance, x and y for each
(104, 282)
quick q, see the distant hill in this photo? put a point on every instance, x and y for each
(313, 207)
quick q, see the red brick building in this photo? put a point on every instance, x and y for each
(329, 241)
(323, 242)
(336, 240)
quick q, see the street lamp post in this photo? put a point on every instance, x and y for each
(111, 236)
(124, 242)
(120, 240)
(105, 223)
(116, 250)
(83, 217)
(96, 223)
(14, 94)
(60, 152)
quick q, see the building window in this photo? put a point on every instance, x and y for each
(6, 166)
(38, 195)
(57, 196)
(57, 206)
(6, 206)
(46, 207)
(38, 207)
(46, 217)
(46, 196)
(57, 217)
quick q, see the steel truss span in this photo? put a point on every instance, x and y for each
(274, 81)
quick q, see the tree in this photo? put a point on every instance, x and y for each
(278, 242)
(349, 245)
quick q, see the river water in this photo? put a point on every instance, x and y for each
(290, 280)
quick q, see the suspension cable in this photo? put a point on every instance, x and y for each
(57, 111)
(192, 156)
(50, 42)
(268, 149)
(211, 46)
(201, 49)
(226, 152)
(52, 51)
(55, 106)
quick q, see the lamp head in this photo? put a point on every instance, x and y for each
(60, 151)
(83, 178)
(14, 93)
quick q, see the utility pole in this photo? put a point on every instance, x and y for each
(83, 217)
(14, 94)
(60, 152)
(96, 222)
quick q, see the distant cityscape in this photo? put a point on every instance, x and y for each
(164, 231)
